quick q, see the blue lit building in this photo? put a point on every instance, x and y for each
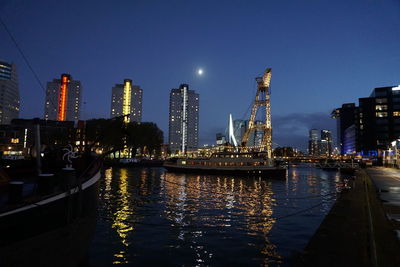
(371, 127)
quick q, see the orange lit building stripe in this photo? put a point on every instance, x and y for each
(62, 104)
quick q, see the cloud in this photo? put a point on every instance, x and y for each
(292, 129)
(288, 130)
(208, 135)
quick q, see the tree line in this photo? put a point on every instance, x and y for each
(115, 135)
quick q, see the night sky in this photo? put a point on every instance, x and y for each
(322, 53)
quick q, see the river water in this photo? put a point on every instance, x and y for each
(149, 217)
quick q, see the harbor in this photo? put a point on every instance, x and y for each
(153, 133)
(192, 219)
(362, 227)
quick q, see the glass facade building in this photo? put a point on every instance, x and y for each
(326, 143)
(373, 125)
(313, 143)
(9, 93)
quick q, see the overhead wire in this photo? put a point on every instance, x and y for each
(24, 57)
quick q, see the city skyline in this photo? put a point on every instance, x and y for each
(317, 66)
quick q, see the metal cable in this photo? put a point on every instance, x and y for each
(25, 59)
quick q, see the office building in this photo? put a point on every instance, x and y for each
(257, 135)
(379, 122)
(346, 121)
(313, 148)
(325, 144)
(373, 125)
(183, 119)
(350, 141)
(126, 99)
(239, 128)
(63, 99)
(9, 93)
(18, 138)
(220, 139)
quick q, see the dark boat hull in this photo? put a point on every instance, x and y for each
(278, 173)
(51, 232)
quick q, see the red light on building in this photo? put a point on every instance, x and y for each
(62, 99)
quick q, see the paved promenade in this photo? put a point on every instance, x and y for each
(387, 182)
(357, 231)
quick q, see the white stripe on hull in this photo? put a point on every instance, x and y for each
(74, 190)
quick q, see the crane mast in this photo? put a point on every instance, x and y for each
(262, 100)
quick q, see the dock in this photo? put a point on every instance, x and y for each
(357, 231)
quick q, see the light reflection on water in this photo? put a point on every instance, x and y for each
(152, 217)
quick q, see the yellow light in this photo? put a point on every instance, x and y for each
(126, 107)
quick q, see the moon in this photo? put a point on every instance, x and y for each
(200, 72)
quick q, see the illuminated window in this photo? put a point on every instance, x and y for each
(396, 113)
(381, 114)
(381, 107)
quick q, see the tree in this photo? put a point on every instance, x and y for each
(114, 134)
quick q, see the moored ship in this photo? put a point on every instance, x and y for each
(49, 219)
(245, 157)
(232, 163)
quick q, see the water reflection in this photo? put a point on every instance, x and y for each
(206, 219)
(121, 217)
(242, 204)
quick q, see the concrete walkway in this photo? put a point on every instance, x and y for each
(356, 232)
(387, 182)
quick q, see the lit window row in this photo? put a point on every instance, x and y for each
(381, 107)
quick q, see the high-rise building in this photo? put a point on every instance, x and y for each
(371, 126)
(126, 99)
(313, 143)
(63, 99)
(350, 141)
(220, 139)
(346, 120)
(183, 119)
(326, 143)
(258, 135)
(239, 128)
(9, 93)
(379, 122)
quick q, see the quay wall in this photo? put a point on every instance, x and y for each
(356, 232)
